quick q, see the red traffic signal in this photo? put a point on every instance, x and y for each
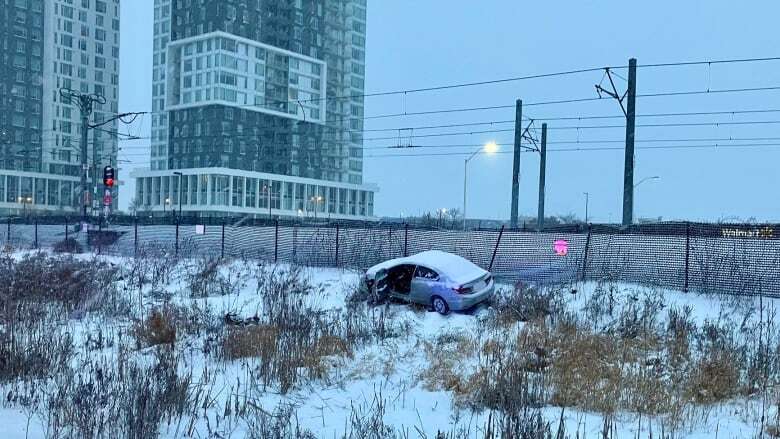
(108, 176)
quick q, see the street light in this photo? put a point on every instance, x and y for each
(587, 201)
(165, 205)
(646, 179)
(267, 190)
(24, 201)
(442, 211)
(316, 200)
(655, 177)
(180, 177)
(488, 148)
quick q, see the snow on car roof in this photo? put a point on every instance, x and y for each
(456, 268)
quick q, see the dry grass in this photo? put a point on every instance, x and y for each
(715, 377)
(157, 329)
(251, 341)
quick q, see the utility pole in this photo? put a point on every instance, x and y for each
(628, 179)
(587, 201)
(516, 163)
(629, 110)
(542, 171)
(85, 103)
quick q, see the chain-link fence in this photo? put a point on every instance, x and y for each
(718, 258)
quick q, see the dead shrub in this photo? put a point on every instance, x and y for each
(211, 277)
(250, 341)
(445, 355)
(42, 278)
(715, 377)
(157, 329)
(69, 245)
(33, 349)
(526, 303)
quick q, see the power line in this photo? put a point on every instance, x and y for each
(535, 76)
(663, 147)
(583, 127)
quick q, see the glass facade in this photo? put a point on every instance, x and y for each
(237, 192)
(273, 86)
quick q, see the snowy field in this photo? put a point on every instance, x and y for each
(209, 349)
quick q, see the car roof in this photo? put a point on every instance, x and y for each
(456, 268)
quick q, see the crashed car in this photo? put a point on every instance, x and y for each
(441, 280)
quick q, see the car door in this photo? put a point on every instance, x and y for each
(423, 285)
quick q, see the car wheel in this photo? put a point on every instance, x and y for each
(439, 305)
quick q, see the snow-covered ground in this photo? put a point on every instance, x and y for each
(386, 376)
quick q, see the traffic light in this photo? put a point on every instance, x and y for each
(108, 176)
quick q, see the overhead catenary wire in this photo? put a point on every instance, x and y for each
(606, 148)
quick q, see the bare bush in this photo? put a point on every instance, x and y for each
(212, 277)
(69, 245)
(102, 400)
(32, 348)
(528, 303)
(158, 328)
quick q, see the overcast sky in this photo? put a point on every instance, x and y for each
(414, 44)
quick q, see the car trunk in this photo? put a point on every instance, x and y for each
(477, 284)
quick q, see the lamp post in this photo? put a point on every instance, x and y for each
(267, 190)
(24, 202)
(655, 177)
(180, 175)
(587, 201)
(442, 211)
(316, 202)
(489, 148)
(165, 205)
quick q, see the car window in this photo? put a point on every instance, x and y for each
(426, 273)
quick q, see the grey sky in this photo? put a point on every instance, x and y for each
(415, 44)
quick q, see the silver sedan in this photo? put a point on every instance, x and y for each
(439, 279)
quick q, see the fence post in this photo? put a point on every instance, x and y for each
(337, 245)
(66, 228)
(222, 249)
(36, 232)
(135, 236)
(585, 254)
(177, 237)
(276, 241)
(687, 253)
(406, 240)
(8, 232)
(495, 250)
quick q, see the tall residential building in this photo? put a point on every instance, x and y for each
(47, 45)
(258, 109)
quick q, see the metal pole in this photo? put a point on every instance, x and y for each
(337, 245)
(687, 253)
(542, 172)
(276, 241)
(495, 250)
(516, 163)
(406, 240)
(269, 200)
(86, 107)
(587, 201)
(585, 254)
(66, 228)
(8, 233)
(177, 238)
(465, 178)
(135, 236)
(628, 176)
(36, 232)
(222, 250)
(180, 177)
